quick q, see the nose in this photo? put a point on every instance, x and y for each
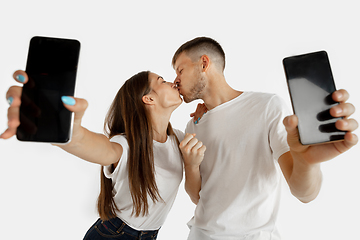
(176, 81)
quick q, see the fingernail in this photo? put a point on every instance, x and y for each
(345, 123)
(339, 94)
(68, 100)
(10, 100)
(20, 78)
(338, 110)
(196, 122)
(199, 119)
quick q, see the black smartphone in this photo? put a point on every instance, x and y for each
(311, 84)
(51, 67)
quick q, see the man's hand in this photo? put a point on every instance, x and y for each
(312, 154)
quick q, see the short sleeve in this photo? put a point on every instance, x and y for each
(190, 127)
(179, 134)
(120, 139)
(276, 112)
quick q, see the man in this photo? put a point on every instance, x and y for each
(237, 185)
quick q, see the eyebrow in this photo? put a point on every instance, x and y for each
(178, 68)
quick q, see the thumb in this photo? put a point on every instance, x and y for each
(76, 105)
(291, 123)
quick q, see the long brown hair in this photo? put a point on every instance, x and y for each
(128, 116)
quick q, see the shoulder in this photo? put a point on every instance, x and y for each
(260, 96)
(120, 139)
(256, 101)
(266, 99)
(190, 126)
(179, 134)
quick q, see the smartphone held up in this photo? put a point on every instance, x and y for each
(51, 68)
(311, 84)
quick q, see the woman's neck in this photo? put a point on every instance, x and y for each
(160, 124)
(159, 137)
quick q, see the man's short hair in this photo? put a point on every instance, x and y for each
(202, 46)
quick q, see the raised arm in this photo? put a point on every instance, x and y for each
(301, 166)
(90, 146)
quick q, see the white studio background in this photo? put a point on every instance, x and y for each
(47, 193)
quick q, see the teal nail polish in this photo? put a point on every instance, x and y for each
(199, 119)
(10, 100)
(68, 100)
(20, 78)
(196, 122)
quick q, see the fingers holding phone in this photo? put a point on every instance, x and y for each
(76, 105)
(13, 97)
(344, 110)
(21, 76)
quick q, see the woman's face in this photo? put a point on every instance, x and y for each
(164, 93)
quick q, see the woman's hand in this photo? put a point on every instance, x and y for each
(78, 107)
(13, 97)
(201, 109)
(192, 150)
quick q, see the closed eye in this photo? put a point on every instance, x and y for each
(161, 78)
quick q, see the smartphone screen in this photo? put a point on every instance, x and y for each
(311, 84)
(51, 68)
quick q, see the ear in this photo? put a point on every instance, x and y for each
(148, 100)
(205, 62)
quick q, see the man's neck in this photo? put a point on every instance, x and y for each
(218, 92)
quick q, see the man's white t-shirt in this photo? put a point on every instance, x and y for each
(168, 175)
(240, 190)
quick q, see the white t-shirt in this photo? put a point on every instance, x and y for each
(168, 175)
(240, 189)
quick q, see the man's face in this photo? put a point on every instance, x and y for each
(189, 78)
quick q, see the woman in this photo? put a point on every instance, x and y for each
(141, 163)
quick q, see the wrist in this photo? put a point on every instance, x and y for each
(76, 139)
(300, 159)
(192, 168)
(303, 167)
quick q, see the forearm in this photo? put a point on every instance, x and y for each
(193, 183)
(305, 180)
(92, 147)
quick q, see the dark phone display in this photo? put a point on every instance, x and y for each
(51, 68)
(311, 85)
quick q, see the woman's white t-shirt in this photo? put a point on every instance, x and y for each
(168, 175)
